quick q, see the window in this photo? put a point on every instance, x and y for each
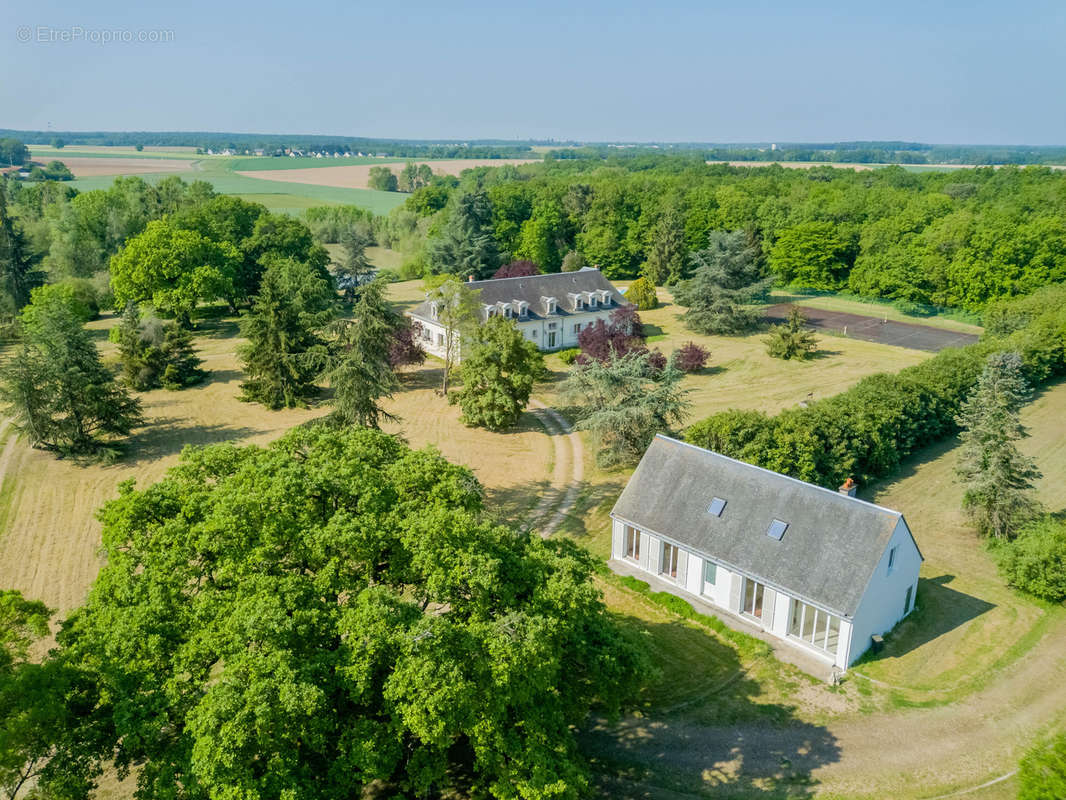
(777, 529)
(891, 560)
(534, 333)
(753, 597)
(632, 543)
(814, 626)
(710, 575)
(716, 507)
(578, 304)
(577, 327)
(907, 600)
(669, 562)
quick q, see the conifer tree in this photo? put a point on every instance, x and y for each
(792, 339)
(18, 273)
(360, 371)
(285, 351)
(156, 353)
(997, 477)
(60, 394)
(728, 278)
(467, 244)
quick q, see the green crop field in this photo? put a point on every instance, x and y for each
(278, 196)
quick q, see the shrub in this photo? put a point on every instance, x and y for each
(792, 340)
(641, 293)
(1035, 562)
(622, 333)
(691, 357)
(569, 356)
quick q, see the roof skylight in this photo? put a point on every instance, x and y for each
(716, 507)
(777, 529)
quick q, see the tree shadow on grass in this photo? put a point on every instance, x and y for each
(702, 729)
(167, 436)
(514, 505)
(938, 610)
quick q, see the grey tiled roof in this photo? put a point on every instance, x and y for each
(827, 555)
(531, 290)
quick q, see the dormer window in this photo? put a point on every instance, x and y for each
(605, 297)
(522, 308)
(592, 300)
(434, 309)
(549, 304)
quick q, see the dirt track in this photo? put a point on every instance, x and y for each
(876, 329)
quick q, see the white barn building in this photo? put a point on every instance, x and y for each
(550, 310)
(819, 570)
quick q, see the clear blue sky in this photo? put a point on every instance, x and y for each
(933, 71)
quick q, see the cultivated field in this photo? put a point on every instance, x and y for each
(356, 176)
(87, 167)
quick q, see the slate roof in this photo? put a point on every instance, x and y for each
(827, 555)
(531, 289)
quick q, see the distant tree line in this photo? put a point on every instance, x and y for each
(961, 238)
(272, 142)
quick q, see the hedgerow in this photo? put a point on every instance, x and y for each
(866, 431)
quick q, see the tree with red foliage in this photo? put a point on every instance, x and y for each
(690, 357)
(622, 333)
(517, 269)
(405, 349)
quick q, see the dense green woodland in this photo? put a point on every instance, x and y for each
(957, 238)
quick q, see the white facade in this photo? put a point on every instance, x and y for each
(834, 638)
(556, 332)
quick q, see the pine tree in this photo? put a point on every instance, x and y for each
(18, 273)
(285, 351)
(792, 339)
(666, 256)
(354, 268)
(360, 371)
(728, 278)
(498, 374)
(60, 394)
(155, 353)
(997, 477)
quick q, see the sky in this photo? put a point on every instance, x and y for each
(937, 71)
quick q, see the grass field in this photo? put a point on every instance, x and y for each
(50, 539)
(740, 374)
(717, 718)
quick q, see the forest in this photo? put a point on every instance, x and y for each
(937, 238)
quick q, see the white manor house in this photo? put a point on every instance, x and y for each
(550, 310)
(814, 569)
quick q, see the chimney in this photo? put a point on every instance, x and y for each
(849, 488)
